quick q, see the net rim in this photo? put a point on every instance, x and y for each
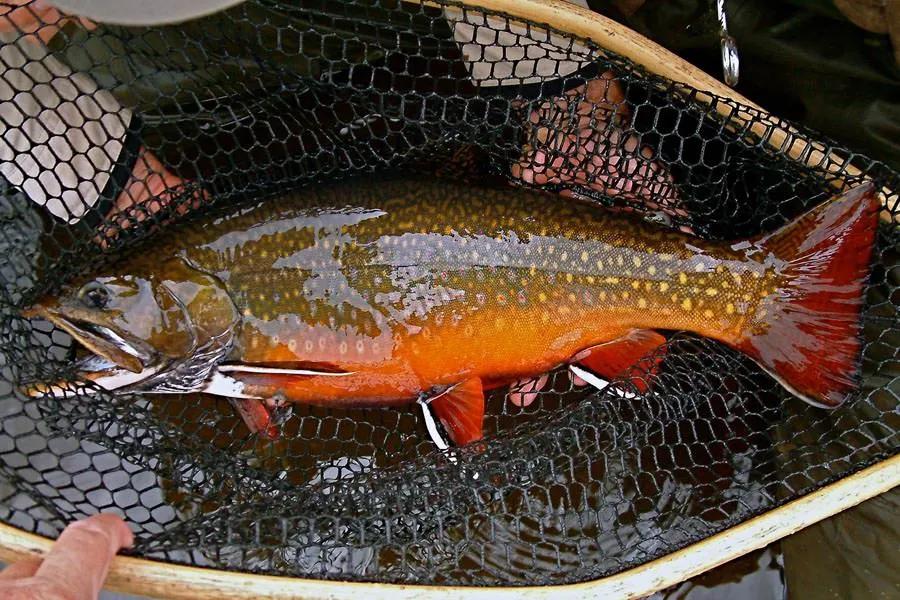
(161, 579)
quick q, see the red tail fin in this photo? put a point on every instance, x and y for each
(811, 338)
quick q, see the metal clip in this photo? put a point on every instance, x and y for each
(730, 62)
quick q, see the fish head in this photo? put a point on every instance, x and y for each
(140, 324)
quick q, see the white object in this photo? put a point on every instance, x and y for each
(142, 12)
(60, 135)
(501, 53)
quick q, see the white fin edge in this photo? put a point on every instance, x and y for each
(223, 385)
(431, 425)
(598, 382)
(277, 371)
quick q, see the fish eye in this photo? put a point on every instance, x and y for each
(94, 295)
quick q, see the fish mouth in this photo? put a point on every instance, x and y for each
(115, 362)
(99, 370)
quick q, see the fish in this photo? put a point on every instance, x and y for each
(389, 292)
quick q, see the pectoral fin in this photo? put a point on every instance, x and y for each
(617, 358)
(460, 409)
(247, 387)
(256, 416)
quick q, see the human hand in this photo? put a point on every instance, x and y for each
(35, 18)
(150, 188)
(581, 139)
(76, 566)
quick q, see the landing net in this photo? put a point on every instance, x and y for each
(270, 97)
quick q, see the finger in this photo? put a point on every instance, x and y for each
(525, 391)
(22, 569)
(80, 558)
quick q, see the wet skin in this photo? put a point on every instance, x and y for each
(406, 287)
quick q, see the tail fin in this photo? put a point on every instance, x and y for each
(812, 342)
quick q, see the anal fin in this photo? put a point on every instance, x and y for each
(460, 409)
(617, 358)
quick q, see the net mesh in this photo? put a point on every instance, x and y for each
(269, 97)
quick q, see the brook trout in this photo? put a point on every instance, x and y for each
(383, 293)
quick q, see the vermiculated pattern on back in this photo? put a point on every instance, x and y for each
(268, 98)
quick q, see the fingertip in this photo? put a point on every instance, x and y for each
(109, 524)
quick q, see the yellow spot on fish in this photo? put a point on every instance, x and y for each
(729, 308)
(584, 256)
(756, 275)
(635, 284)
(682, 278)
(263, 253)
(564, 310)
(247, 312)
(763, 293)
(532, 271)
(648, 286)
(620, 261)
(674, 297)
(602, 295)
(625, 295)
(612, 280)
(651, 269)
(664, 286)
(542, 297)
(708, 314)
(569, 277)
(599, 264)
(711, 291)
(746, 297)
(591, 279)
(686, 304)
(636, 261)
(642, 303)
(572, 297)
